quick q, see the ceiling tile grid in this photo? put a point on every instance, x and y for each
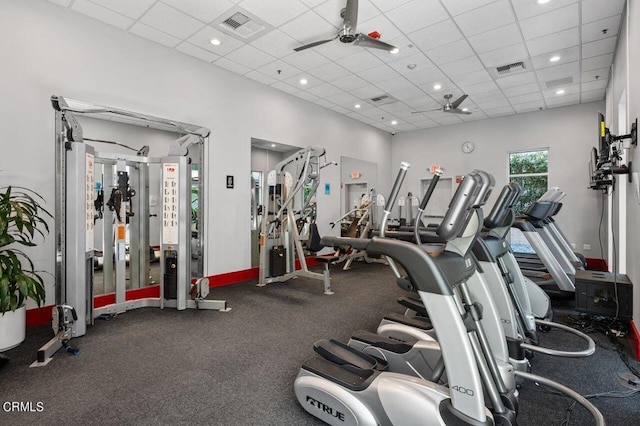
(508, 56)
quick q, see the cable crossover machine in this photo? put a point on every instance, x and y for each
(126, 227)
(289, 221)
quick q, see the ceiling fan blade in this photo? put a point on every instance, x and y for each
(351, 15)
(431, 110)
(314, 44)
(455, 104)
(366, 41)
(459, 111)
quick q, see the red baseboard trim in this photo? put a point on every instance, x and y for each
(40, 316)
(233, 277)
(634, 336)
(594, 264)
(138, 293)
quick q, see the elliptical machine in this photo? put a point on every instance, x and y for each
(341, 385)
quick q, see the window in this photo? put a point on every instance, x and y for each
(531, 170)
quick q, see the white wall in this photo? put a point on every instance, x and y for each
(625, 71)
(568, 132)
(49, 50)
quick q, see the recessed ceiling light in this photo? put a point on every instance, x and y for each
(555, 58)
(437, 87)
(465, 109)
(394, 50)
(543, 1)
(273, 145)
(356, 106)
(560, 92)
(215, 42)
(394, 122)
(303, 81)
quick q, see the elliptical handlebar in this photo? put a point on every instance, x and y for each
(393, 196)
(591, 348)
(423, 204)
(356, 243)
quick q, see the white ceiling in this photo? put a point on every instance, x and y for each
(454, 43)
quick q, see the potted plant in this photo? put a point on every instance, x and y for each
(22, 219)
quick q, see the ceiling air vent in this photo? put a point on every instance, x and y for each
(236, 20)
(241, 24)
(383, 99)
(510, 68)
(559, 82)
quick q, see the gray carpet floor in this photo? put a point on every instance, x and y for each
(152, 367)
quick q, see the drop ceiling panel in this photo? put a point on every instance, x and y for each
(472, 78)
(349, 82)
(250, 57)
(599, 47)
(516, 80)
(102, 14)
(359, 60)
(306, 59)
(455, 43)
(394, 84)
(260, 77)
(366, 92)
(456, 7)
(529, 106)
(497, 38)
(154, 35)
(551, 22)
(232, 66)
(559, 71)
(530, 97)
(418, 14)
(309, 27)
(323, 90)
(131, 9)
(528, 8)
(166, 18)
(330, 72)
(279, 70)
(463, 66)
(597, 62)
(505, 55)
(436, 35)
(594, 30)
(566, 55)
(275, 12)
(451, 52)
(197, 52)
(522, 89)
(485, 18)
(203, 10)
(592, 10)
(203, 38)
(278, 44)
(553, 42)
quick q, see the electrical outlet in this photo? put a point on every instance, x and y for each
(586, 247)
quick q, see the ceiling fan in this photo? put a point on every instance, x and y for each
(348, 32)
(450, 106)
